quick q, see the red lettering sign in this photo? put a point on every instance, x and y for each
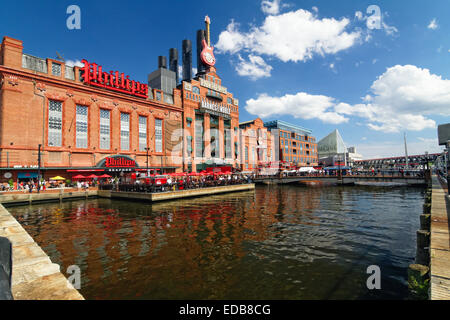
(93, 75)
(119, 163)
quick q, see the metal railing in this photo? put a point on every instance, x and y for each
(361, 174)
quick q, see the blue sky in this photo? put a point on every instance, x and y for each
(314, 63)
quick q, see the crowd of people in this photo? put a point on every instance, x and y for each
(177, 183)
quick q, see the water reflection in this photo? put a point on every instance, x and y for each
(279, 242)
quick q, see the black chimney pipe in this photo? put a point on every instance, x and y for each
(187, 60)
(173, 61)
(162, 62)
(201, 68)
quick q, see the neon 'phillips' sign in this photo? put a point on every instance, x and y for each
(95, 76)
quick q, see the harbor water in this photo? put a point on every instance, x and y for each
(277, 242)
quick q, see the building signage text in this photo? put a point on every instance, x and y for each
(215, 108)
(119, 163)
(212, 86)
(94, 75)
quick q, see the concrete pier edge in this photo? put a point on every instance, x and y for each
(34, 275)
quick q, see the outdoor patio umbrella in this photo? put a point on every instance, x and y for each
(105, 176)
(92, 176)
(79, 177)
(58, 178)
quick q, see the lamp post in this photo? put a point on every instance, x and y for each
(148, 173)
(39, 168)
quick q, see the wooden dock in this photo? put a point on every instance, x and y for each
(34, 275)
(440, 243)
(174, 195)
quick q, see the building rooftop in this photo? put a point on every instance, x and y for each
(279, 124)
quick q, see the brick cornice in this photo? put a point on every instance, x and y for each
(86, 89)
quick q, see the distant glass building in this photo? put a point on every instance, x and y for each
(293, 144)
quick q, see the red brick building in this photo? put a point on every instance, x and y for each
(211, 122)
(102, 122)
(256, 145)
(293, 145)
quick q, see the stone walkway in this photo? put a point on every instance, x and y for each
(440, 243)
(34, 276)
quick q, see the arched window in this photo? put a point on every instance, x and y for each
(196, 90)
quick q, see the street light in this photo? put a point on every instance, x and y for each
(148, 173)
(39, 168)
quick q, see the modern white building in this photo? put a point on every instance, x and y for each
(333, 151)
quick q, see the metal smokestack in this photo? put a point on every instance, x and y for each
(162, 62)
(200, 37)
(173, 61)
(187, 60)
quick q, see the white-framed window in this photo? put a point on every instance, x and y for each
(56, 69)
(105, 130)
(124, 131)
(82, 127)
(55, 123)
(142, 133)
(158, 135)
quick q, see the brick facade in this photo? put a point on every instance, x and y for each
(25, 95)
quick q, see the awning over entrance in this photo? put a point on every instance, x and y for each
(27, 175)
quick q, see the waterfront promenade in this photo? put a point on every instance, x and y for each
(343, 179)
(440, 243)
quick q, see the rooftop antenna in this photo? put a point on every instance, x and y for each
(59, 57)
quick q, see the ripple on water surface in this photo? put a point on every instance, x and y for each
(279, 242)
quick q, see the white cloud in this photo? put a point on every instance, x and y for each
(402, 98)
(315, 9)
(74, 63)
(389, 30)
(359, 15)
(270, 6)
(374, 61)
(433, 24)
(292, 36)
(231, 40)
(255, 68)
(301, 105)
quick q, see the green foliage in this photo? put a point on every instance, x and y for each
(11, 182)
(419, 289)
